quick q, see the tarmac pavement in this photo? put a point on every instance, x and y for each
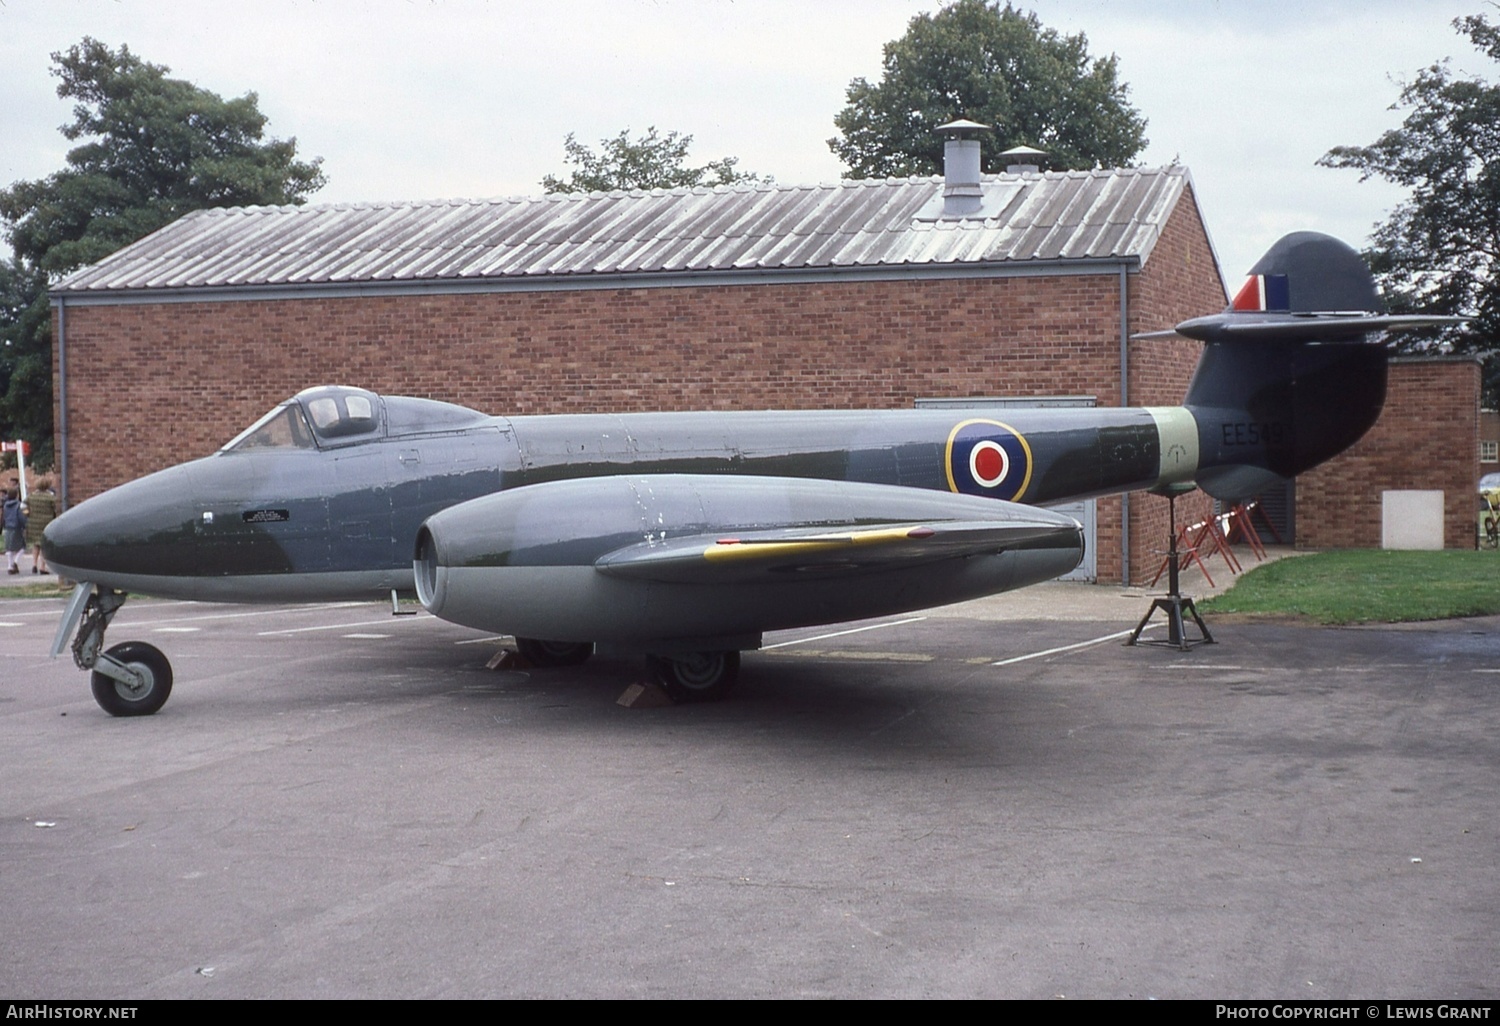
(990, 800)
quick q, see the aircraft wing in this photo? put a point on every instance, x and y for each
(716, 558)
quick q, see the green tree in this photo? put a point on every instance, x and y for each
(1438, 251)
(651, 162)
(996, 65)
(150, 149)
(25, 357)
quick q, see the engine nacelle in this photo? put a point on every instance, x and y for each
(712, 561)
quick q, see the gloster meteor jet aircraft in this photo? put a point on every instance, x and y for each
(684, 536)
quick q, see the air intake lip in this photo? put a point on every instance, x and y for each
(426, 571)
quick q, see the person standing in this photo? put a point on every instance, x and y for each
(13, 521)
(40, 510)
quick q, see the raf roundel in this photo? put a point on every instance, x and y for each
(988, 464)
(986, 457)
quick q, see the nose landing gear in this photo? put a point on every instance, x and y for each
(132, 678)
(145, 693)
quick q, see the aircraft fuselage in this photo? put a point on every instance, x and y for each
(289, 523)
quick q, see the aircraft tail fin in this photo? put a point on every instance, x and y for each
(1293, 372)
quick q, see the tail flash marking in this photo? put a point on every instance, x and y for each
(1264, 292)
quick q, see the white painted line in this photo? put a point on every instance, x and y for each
(43, 605)
(1203, 666)
(1070, 648)
(34, 611)
(276, 611)
(1486, 671)
(364, 637)
(7, 623)
(175, 630)
(492, 639)
(840, 634)
(339, 626)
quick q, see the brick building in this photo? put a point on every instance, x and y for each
(1427, 438)
(870, 294)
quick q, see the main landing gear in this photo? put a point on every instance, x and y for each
(684, 676)
(130, 679)
(553, 653)
(695, 676)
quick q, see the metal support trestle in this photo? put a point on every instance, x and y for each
(1173, 603)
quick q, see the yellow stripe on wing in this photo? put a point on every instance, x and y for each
(728, 549)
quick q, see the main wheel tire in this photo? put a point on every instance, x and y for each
(147, 660)
(696, 676)
(553, 653)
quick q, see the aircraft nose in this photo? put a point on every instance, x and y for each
(144, 528)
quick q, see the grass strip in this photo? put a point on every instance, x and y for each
(1369, 586)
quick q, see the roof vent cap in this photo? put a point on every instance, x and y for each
(962, 193)
(1020, 160)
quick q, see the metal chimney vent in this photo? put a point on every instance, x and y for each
(962, 193)
(1021, 160)
(966, 196)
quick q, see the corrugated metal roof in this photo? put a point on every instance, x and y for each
(1061, 216)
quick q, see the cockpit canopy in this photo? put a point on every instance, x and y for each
(337, 412)
(332, 416)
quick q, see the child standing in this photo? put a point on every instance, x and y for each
(14, 523)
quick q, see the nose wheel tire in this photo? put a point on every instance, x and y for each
(120, 699)
(695, 676)
(553, 653)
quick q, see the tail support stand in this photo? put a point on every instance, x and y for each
(1173, 603)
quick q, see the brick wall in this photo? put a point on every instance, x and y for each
(1427, 438)
(151, 385)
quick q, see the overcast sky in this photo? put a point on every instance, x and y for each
(426, 99)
